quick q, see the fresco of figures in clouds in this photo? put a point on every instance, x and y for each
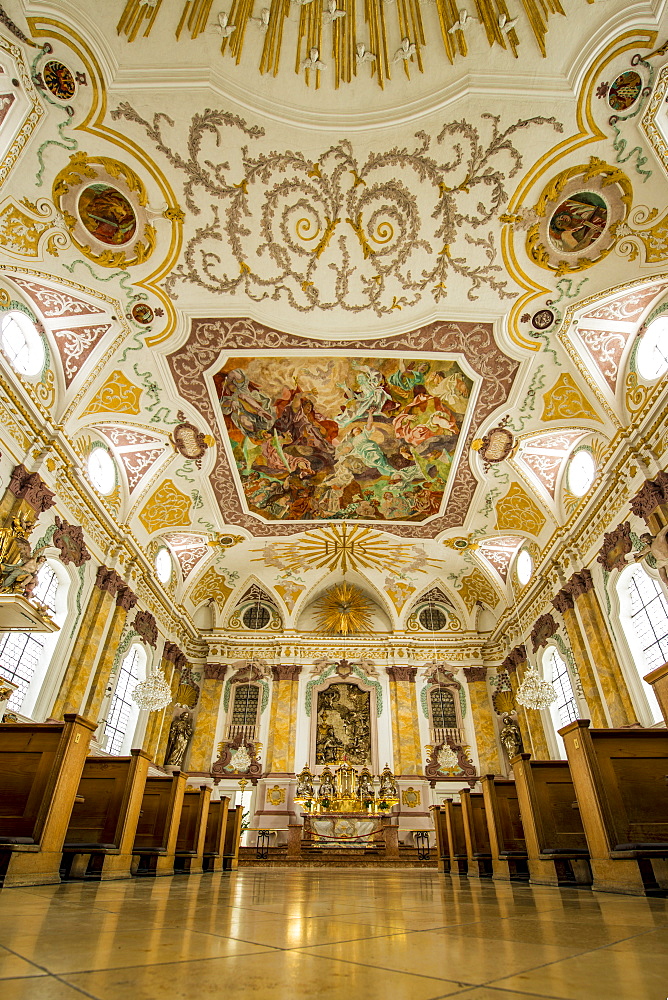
(325, 438)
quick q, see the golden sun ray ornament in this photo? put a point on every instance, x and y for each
(344, 609)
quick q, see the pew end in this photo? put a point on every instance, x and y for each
(214, 841)
(189, 852)
(476, 835)
(454, 821)
(154, 846)
(505, 830)
(232, 839)
(440, 827)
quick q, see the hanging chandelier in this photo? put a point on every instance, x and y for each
(154, 693)
(534, 692)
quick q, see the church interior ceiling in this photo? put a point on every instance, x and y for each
(349, 316)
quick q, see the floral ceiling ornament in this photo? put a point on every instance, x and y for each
(282, 224)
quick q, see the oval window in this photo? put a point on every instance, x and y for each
(102, 471)
(524, 566)
(22, 344)
(256, 617)
(652, 356)
(163, 565)
(581, 472)
(433, 619)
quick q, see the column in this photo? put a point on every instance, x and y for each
(180, 663)
(89, 639)
(202, 749)
(283, 722)
(563, 603)
(405, 732)
(125, 600)
(483, 720)
(603, 653)
(528, 719)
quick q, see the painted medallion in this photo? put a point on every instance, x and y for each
(58, 79)
(625, 91)
(542, 319)
(142, 313)
(332, 437)
(107, 214)
(578, 222)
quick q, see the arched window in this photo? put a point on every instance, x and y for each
(123, 713)
(443, 709)
(565, 708)
(245, 705)
(25, 655)
(644, 618)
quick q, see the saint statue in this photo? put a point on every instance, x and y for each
(511, 737)
(180, 733)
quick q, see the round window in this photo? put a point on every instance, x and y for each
(163, 565)
(22, 343)
(256, 617)
(433, 619)
(102, 471)
(652, 356)
(581, 472)
(524, 566)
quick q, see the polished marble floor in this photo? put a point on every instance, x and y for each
(331, 935)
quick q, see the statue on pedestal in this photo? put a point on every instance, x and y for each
(180, 733)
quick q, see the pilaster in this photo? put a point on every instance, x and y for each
(483, 720)
(283, 721)
(404, 713)
(564, 603)
(202, 749)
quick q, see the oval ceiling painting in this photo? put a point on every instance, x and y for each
(107, 214)
(625, 91)
(578, 222)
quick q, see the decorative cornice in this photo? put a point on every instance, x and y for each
(580, 583)
(215, 671)
(475, 674)
(544, 628)
(30, 486)
(563, 601)
(401, 673)
(286, 671)
(651, 495)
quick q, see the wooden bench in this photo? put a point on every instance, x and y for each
(40, 768)
(441, 829)
(158, 826)
(192, 830)
(620, 778)
(504, 826)
(454, 824)
(478, 847)
(101, 832)
(555, 838)
(214, 841)
(232, 839)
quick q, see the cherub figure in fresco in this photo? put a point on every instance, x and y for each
(248, 408)
(409, 382)
(449, 389)
(370, 397)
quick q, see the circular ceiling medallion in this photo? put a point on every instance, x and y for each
(107, 214)
(59, 80)
(625, 90)
(142, 313)
(578, 222)
(542, 319)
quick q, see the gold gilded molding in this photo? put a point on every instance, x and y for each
(564, 401)
(518, 511)
(31, 120)
(22, 228)
(168, 507)
(117, 395)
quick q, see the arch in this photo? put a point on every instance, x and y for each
(642, 614)
(303, 614)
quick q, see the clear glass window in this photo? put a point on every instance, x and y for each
(163, 565)
(122, 707)
(21, 652)
(102, 471)
(649, 616)
(652, 355)
(524, 566)
(22, 343)
(565, 708)
(581, 472)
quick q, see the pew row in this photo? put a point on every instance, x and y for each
(476, 834)
(620, 779)
(189, 851)
(232, 839)
(504, 827)
(454, 824)
(555, 839)
(40, 769)
(441, 830)
(102, 828)
(158, 827)
(214, 841)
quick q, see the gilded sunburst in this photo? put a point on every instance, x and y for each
(344, 609)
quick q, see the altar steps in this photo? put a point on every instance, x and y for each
(332, 858)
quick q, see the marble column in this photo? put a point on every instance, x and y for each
(88, 641)
(125, 601)
(179, 665)
(483, 720)
(564, 603)
(283, 721)
(404, 712)
(603, 653)
(202, 747)
(528, 719)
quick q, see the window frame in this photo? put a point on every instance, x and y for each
(632, 655)
(546, 670)
(131, 734)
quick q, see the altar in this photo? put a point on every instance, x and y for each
(347, 830)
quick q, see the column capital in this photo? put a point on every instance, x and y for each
(563, 601)
(516, 657)
(125, 598)
(215, 671)
(474, 674)
(109, 580)
(652, 494)
(30, 486)
(286, 671)
(543, 630)
(580, 583)
(401, 673)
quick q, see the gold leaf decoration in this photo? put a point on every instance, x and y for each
(168, 507)
(289, 591)
(20, 234)
(517, 510)
(213, 585)
(476, 587)
(344, 609)
(564, 401)
(117, 395)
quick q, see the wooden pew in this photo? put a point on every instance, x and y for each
(555, 838)
(478, 847)
(192, 830)
(620, 783)
(441, 828)
(232, 839)
(101, 832)
(40, 768)
(504, 826)
(214, 842)
(454, 824)
(158, 827)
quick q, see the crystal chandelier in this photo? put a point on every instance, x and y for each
(534, 692)
(154, 693)
(240, 759)
(447, 758)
